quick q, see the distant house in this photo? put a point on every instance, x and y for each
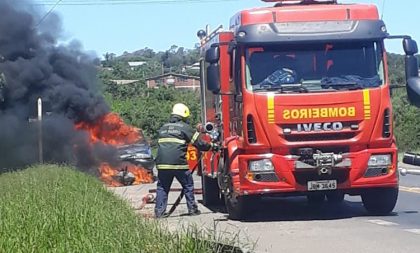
(124, 82)
(195, 66)
(178, 81)
(135, 64)
(108, 68)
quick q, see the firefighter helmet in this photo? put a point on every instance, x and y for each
(181, 110)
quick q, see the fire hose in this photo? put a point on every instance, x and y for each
(150, 198)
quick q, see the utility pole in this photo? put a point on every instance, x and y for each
(40, 144)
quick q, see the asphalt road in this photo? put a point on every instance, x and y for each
(290, 225)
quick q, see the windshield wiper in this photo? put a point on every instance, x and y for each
(342, 85)
(351, 82)
(283, 88)
(296, 87)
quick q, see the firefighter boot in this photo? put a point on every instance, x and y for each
(194, 212)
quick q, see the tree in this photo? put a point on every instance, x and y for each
(406, 117)
(149, 109)
(109, 60)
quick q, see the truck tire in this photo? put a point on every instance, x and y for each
(335, 197)
(211, 191)
(315, 199)
(240, 207)
(380, 201)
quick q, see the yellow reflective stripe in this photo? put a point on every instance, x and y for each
(171, 140)
(366, 104)
(195, 137)
(172, 167)
(270, 108)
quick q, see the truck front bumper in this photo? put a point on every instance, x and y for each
(287, 178)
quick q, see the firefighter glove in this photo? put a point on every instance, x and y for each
(215, 147)
(199, 127)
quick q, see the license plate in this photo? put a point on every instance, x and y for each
(322, 185)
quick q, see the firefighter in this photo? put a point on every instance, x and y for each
(171, 161)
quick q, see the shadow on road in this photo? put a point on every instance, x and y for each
(298, 209)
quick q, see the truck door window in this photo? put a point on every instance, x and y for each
(234, 66)
(379, 59)
(236, 107)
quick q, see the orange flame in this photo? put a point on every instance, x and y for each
(109, 174)
(111, 129)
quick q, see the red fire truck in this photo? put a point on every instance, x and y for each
(299, 96)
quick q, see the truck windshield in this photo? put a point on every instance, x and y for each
(325, 67)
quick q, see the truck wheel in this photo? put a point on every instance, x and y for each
(211, 192)
(335, 197)
(380, 201)
(240, 207)
(315, 199)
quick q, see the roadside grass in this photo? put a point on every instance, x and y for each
(52, 208)
(400, 156)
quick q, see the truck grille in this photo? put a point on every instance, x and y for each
(376, 172)
(320, 137)
(349, 131)
(252, 138)
(386, 131)
(326, 149)
(266, 177)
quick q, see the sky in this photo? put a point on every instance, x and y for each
(119, 28)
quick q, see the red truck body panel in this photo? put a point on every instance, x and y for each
(273, 112)
(305, 13)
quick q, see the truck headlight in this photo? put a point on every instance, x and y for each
(379, 160)
(261, 165)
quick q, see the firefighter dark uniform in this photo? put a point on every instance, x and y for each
(171, 161)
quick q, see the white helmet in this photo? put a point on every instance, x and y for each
(181, 110)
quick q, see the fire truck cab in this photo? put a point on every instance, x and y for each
(299, 96)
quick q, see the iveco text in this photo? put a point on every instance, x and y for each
(316, 127)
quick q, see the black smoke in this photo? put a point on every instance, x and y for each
(34, 65)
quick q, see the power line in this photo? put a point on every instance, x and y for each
(107, 1)
(49, 12)
(383, 9)
(127, 2)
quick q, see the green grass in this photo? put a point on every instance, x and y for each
(58, 209)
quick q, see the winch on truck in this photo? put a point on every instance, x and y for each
(299, 95)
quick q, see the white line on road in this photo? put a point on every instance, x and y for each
(383, 222)
(414, 231)
(410, 189)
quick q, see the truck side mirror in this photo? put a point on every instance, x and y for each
(213, 78)
(410, 46)
(411, 62)
(213, 54)
(412, 71)
(213, 70)
(413, 90)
